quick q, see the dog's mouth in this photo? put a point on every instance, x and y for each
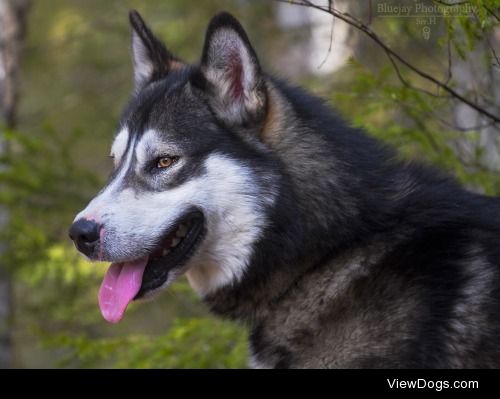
(126, 281)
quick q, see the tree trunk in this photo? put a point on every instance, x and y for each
(12, 27)
(479, 73)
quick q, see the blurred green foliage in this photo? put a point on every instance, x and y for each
(420, 125)
(76, 78)
(410, 121)
(189, 343)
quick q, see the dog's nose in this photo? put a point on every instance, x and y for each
(85, 235)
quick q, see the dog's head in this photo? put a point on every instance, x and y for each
(192, 179)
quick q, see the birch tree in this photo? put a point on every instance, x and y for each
(12, 27)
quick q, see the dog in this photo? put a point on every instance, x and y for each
(333, 251)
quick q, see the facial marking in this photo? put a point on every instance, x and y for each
(119, 145)
(99, 206)
(151, 146)
(235, 220)
(230, 197)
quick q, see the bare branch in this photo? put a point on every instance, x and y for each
(408, 84)
(488, 10)
(454, 126)
(349, 19)
(492, 13)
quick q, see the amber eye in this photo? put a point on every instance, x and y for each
(166, 162)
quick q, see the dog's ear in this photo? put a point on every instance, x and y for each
(231, 74)
(152, 60)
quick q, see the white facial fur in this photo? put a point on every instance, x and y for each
(119, 146)
(235, 221)
(229, 196)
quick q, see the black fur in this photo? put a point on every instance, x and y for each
(364, 260)
(155, 50)
(428, 232)
(437, 222)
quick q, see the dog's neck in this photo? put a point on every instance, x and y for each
(338, 190)
(317, 213)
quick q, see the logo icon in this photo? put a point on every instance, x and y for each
(426, 32)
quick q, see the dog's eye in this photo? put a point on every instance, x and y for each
(166, 162)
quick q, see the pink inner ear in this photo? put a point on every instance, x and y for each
(236, 74)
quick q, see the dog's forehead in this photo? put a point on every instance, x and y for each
(173, 111)
(159, 103)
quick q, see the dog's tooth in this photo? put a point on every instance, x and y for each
(175, 241)
(165, 252)
(181, 231)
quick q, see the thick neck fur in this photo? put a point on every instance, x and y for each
(339, 188)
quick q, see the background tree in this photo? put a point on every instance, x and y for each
(13, 15)
(444, 84)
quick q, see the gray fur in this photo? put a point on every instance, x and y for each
(335, 254)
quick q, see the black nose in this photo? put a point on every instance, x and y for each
(85, 235)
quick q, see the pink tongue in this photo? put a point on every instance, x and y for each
(120, 285)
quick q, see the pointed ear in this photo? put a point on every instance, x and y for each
(232, 74)
(152, 60)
